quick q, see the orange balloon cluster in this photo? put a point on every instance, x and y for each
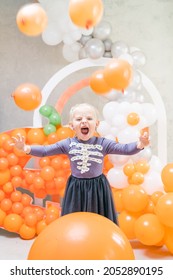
(117, 74)
(85, 13)
(147, 218)
(31, 19)
(17, 214)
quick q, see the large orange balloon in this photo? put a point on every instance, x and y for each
(167, 177)
(118, 74)
(98, 84)
(81, 236)
(31, 19)
(85, 13)
(126, 222)
(27, 96)
(149, 230)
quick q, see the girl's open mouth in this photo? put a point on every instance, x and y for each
(84, 130)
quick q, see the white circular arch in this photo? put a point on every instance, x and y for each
(148, 85)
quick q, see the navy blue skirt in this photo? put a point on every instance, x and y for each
(89, 195)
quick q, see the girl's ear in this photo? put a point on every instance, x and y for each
(70, 125)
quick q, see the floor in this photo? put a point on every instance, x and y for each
(14, 248)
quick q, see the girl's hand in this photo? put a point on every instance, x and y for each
(144, 140)
(19, 143)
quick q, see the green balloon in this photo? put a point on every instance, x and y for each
(55, 119)
(49, 128)
(46, 110)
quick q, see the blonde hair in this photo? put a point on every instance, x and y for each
(74, 108)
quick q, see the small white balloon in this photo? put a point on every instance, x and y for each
(95, 48)
(117, 178)
(87, 31)
(102, 30)
(128, 135)
(127, 57)
(108, 44)
(119, 48)
(139, 58)
(152, 182)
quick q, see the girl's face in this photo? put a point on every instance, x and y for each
(84, 122)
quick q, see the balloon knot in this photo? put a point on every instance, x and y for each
(88, 24)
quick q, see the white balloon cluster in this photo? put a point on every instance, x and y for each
(81, 43)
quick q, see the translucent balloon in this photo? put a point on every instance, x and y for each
(102, 30)
(95, 48)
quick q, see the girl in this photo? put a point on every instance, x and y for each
(88, 189)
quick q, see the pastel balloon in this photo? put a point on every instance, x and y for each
(27, 96)
(85, 13)
(80, 236)
(31, 19)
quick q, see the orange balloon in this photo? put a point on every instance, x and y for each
(4, 177)
(167, 177)
(134, 198)
(12, 159)
(149, 230)
(41, 225)
(85, 13)
(18, 132)
(17, 208)
(137, 178)
(129, 169)
(27, 232)
(27, 96)
(80, 236)
(35, 136)
(31, 19)
(118, 74)
(44, 161)
(2, 195)
(133, 119)
(16, 170)
(52, 138)
(8, 188)
(56, 162)
(117, 197)
(13, 222)
(64, 132)
(126, 222)
(6, 204)
(164, 209)
(26, 199)
(155, 196)
(47, 173)
(3, 163)
(168, 239)
(3, 138)
(2, 217)
(31, 219)
(16, 196)
(98, 84)
(142, 166)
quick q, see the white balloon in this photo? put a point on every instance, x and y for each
(149, 113)
(128, 135)
(85, 39)
(109, 110)
(50, 36)
(119, 121)
(82, 53)
(127, 57)
(69, 54)
(103, 128)
(108, 44)
(145, 154)
(102, 30)
(152, 182)
(139, 58)
(112, 95)
(119, 48)
(118, 160)
(87, 31)
(95, 48)
(117, 178)
(136, 80)
(156, 164)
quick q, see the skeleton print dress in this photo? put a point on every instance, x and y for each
(87, 189)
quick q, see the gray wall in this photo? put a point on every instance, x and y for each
(146, 25)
